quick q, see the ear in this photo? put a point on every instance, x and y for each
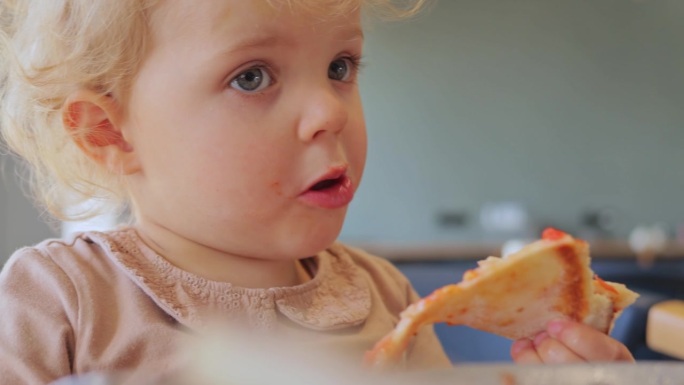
(94, 123)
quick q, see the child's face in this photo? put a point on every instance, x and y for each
(236, 112)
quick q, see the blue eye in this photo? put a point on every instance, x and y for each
(341, 69)
(252, 80)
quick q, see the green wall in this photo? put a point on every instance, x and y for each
(561, 105)
(20, 222)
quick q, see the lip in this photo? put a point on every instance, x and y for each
(336, 196)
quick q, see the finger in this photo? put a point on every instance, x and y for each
(523, 352)
(587, 342)
(552, 351)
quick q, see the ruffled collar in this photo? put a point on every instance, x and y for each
(337, 296)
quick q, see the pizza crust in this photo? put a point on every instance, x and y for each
(516, 296)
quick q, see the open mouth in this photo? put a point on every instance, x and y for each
(333, 190)
(326, 184)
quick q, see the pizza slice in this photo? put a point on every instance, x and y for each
(516, 296)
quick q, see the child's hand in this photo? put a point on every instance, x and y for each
(567, 342)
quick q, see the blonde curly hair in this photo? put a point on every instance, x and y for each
(50, 48)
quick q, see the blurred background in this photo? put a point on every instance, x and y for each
(491, 119)
(567, 108)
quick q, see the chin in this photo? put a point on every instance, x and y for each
(316, 240)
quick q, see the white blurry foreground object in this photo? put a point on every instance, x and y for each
(641, 373)
(647, 242)
(250, 358)
(257, 359)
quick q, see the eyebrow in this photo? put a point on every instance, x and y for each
(258, 41)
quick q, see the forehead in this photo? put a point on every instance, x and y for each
(178, 17)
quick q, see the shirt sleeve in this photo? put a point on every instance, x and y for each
(36, 334)
(425, 350)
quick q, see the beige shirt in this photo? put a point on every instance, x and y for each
(103, 302)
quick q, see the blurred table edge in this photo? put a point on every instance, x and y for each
(471, 250)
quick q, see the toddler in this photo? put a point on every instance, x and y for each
(232, 135)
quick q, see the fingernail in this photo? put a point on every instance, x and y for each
(519, 346)
(540, 338)
(555, 327)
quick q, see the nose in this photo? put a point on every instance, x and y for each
(323, 111)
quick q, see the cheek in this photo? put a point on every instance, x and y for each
(277, 188)
(250, 166)
(357, 145)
